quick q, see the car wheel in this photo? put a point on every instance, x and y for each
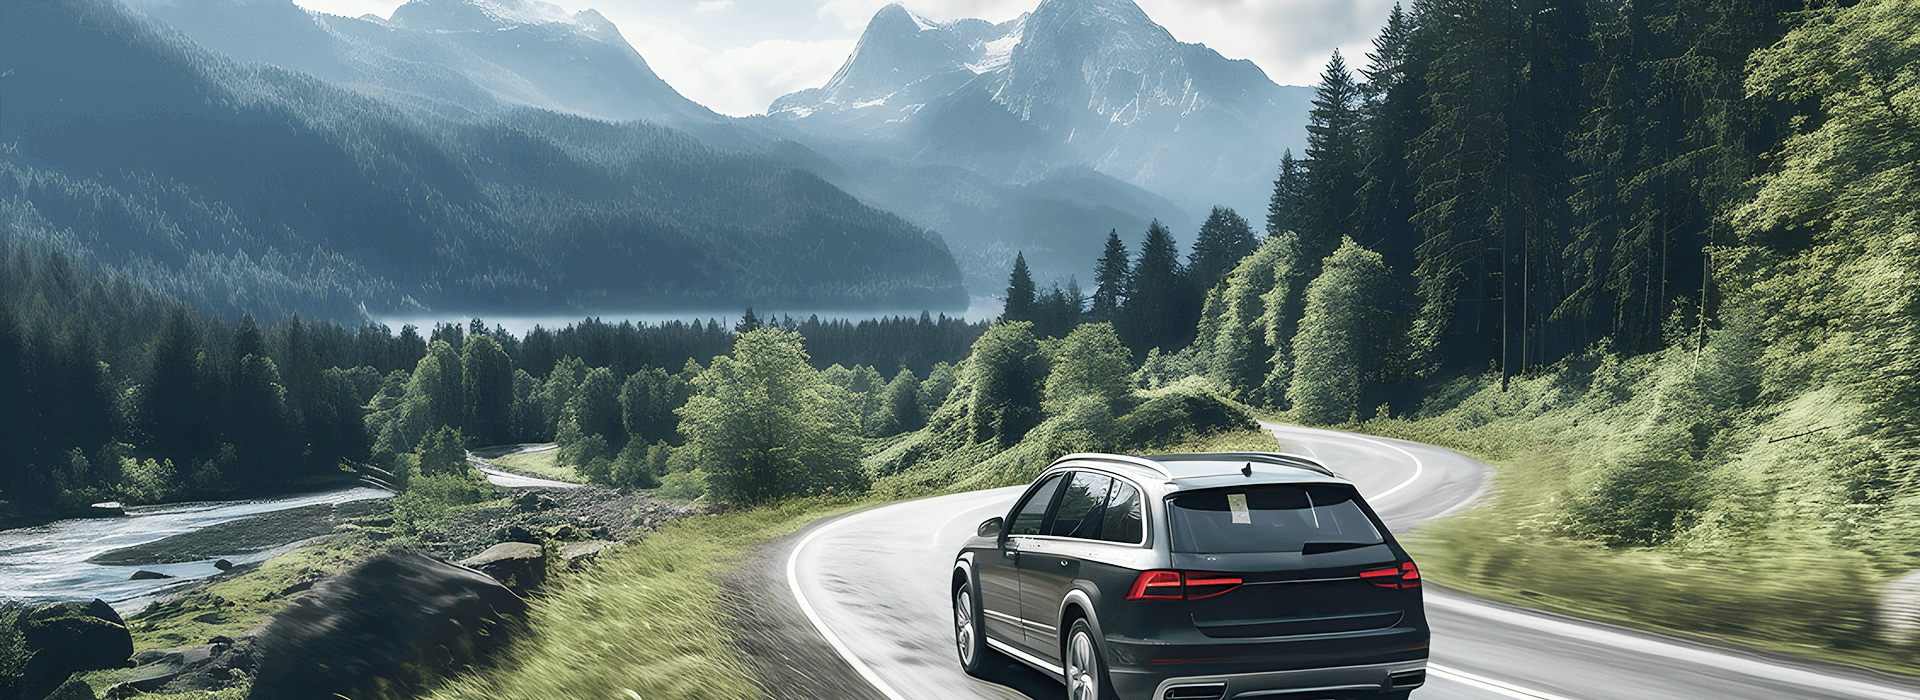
(1086, 671)
(970, 635)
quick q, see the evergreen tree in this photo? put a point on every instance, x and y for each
(1224, 239)
(748, 322)
(1020, 292)
(1161, 307)
(1327, 203)
(1283, 208)
(1110, 281)
(1392, 118)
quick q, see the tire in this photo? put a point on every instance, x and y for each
(1086, 670)
(970, 636)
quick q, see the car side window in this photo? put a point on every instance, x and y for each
(1081, 507)
(1033, 513)
(1123, 519)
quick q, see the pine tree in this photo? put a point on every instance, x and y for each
(1283, 208)
(487, 383)
(1020, 292)
(1161, 307)
(1110, 281)
(1223, 240)
(1328, 201)
(1392, 118)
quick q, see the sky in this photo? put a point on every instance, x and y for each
(737, 56)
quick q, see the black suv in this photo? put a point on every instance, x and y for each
(1193, 577)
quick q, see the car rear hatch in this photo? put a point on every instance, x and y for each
(1286, 560)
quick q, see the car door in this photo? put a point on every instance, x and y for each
(1000, 573)
(1051, 562)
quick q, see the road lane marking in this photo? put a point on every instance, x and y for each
(1419, 467)
(793, 584)
(1488, 684)
(1678, 652)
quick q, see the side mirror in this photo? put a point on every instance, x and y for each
(990, 528)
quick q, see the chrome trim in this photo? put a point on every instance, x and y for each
(1003, 617)
(1338, 679)
(1025, 657)
(1303, 580)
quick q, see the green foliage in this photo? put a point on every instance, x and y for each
(899, 409)
(1089, 364)
(1179, 413)
(1246, 329)
(1160, 302)
(1002, 382)
(685, 486)
(1344, 348)
(765, 425)
(487, 387)
(442, 451)
(431, 498)
(1323, 214)
(1111, 281)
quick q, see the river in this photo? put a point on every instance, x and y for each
(50, 562)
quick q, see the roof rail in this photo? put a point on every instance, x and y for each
(1276, 458)
(1153, 461)
(1129, 460)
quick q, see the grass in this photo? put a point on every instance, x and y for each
(647, 621)
(540, 463)
(1805, 599)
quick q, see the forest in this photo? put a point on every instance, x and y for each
(1660, 261)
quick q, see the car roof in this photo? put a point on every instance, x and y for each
(1210, 469)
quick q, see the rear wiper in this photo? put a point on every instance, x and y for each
(1324, 547)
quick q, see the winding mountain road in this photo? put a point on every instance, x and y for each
(865, 614)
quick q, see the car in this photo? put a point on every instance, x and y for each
(1193, 577)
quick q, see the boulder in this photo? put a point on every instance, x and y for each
(145, 575)
(579, 554)
(521, 566)
(388, 628)
(70, 637)
(222, 564)
(218, 664)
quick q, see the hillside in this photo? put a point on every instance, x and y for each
(251, 188)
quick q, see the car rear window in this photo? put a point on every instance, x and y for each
(1268, 518)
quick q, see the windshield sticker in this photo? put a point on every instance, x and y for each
(1238, 503)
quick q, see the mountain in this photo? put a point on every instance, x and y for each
(450, 56)
(250, 187)
(1074, 84)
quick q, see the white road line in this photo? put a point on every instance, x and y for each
(1419, 467)
(1679, 652)
(793, 583)
(1488, 684)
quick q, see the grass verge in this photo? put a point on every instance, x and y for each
(542, 463)
(1806, 600)
(647, 621)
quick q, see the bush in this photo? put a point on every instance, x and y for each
(1180, 413)
(685, 486)
(430, 497)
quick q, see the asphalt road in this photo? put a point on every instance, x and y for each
(872, 587)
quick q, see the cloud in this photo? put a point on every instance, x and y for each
(712, 5)
(742, 80)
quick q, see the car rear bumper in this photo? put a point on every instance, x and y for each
(1279, 685)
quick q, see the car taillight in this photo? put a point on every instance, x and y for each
(1157, 585)
(1406, 575)
(1179, 585)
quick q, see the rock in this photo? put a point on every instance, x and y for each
(521, 566)
(529, 502)
(565, 533)
(69, 637)
(145, 575)
(579, 554)
(222, 564)
(109, 509)
(216, 665)
(1900, 611)
(388, 628)
(514, 533)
